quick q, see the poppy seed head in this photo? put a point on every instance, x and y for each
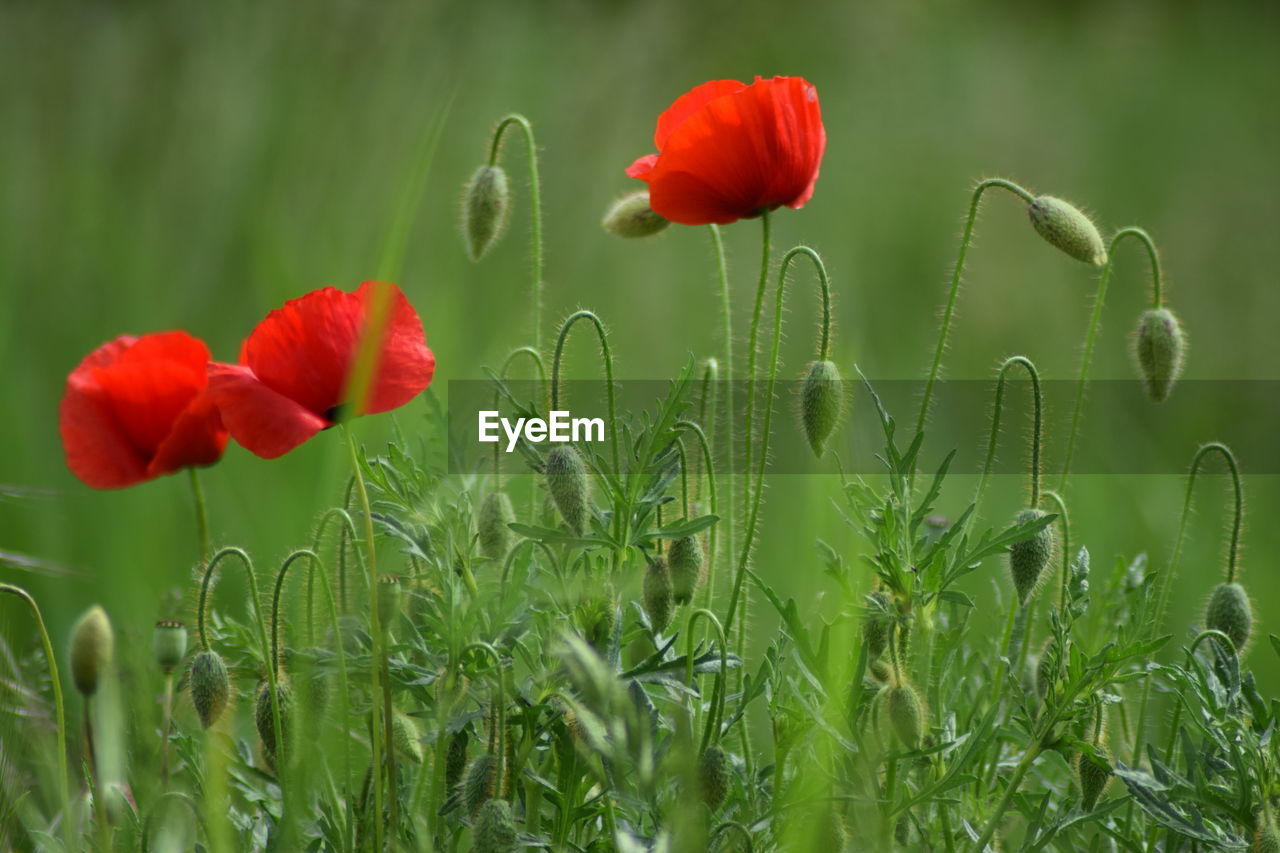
(169, 644)
(92, 649)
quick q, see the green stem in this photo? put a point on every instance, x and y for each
(953, 293)
(1002, 806)
(1038, 415)
(715, 710)
(726, 307)
(348, 528)
(606, 356)
(1060, 507)
(535, 211)
(59, 706)
(202, 515)
(713, 536)
(1091, 334)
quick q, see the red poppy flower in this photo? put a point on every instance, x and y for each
(292, 378)
(728, 151)
(137, 408)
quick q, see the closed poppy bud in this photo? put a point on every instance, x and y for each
(92, 649)
(1094, 777)
(1159, 347)
(480, 783)
(405, 735)
(495, 828)
(658, 593)
(713, 777)
(456, 759)
(169, 644)
(496, 513)
(730, 150)
(1229, 611)
(631, 216)
(568, 484)
(1028, 558)
(1266, 838)
(388, 601)
(685, 561)
(1066, 227)
(906, 714)
(274, 742)
(875, 630)
(210, 686)
(486, 207)
(821, 397)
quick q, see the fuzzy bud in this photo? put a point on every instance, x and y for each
(405, 735)
(658, 593)
(495, 828)
(92, 648)
(906, 714)
(1094, 778)
(480, 782)
(567, 482)
(486, 207)
(1159, 347)
(273, 742)
(1229, 611)
(169, 644)
(210, 686)
(875, 631)
(631, 216)
(388, 601)
(821, 397)
(1028, 558)
(1266, 838)
(455, 763)
(1066, 227)
(713, 777)
(686, 561)
(599, 619)
(496, 513)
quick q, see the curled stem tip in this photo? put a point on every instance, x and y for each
(1037, 423)
(606, 357)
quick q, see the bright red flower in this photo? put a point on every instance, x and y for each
(137, 408)
(294, 367)
(728, 151)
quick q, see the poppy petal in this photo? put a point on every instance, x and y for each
(97, 451)
(198, 438)
(405, 365)
(642, 166)
(264, 421)
(688, 104)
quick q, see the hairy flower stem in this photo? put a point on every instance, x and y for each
(726, 307)
(948, 313)
(348, 529)
(202, 515)
(381, 729)
(59, 706)
(1037, 423)
(536, 357)
(1166, 579)
(606, 360)
(707, 463)
(1091, 333)
(1064, 521)
(715, 710)
(535, 211)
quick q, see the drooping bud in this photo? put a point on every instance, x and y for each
(455, 762)
(1266, 838)
(906, 714)
(713, 777)
(274, 743)
(1028, 558)
(1094, 777)
(631, 216)
(658, 593)
(1159, 347)
(486, 207)
(1066, 227)
(496, 513)
(1229, 611)
(92, 649)
(169, 644)
(599, 619)
(685, 559)
(210, 686)
(405, 736)
(388, 601)
(875, 631)
(821, 396)
(568, 484)
(495, 828)
(480, 783)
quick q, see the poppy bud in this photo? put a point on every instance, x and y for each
(405, 736)
(567, 482)
(388, 601)
(1266, 838)
(1065, 227)
(455, 762)
(495, 828)
(685, 560)
(906, 714)
(210, 686)
(169, 644)
(486, 206)
(631, 216)
(901, 831)
(1028, 558)
(821, 396)
(880, 670)
(1159, 346)
(480, 782)
(496, 513)
(833, 833)
(1046, 668)
(1230, 612)
(875, 631)
(713, 777)
(658, 593)
(599, 618)
(273, 743)
(92, 648)
(1094, 777)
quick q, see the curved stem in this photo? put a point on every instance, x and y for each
(145, 839)
(349, 528)
(275, 598)
(957, 273)
(59, 706)
(606, 355)
(1095, 321)
(1038, 414)
(713, 535)
(202, 514)
(737, 827)
(516, 353)
(1060, 507)
(716, 710)
(232, 551)
(535, 211)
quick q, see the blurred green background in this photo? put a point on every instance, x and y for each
(192, 165)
